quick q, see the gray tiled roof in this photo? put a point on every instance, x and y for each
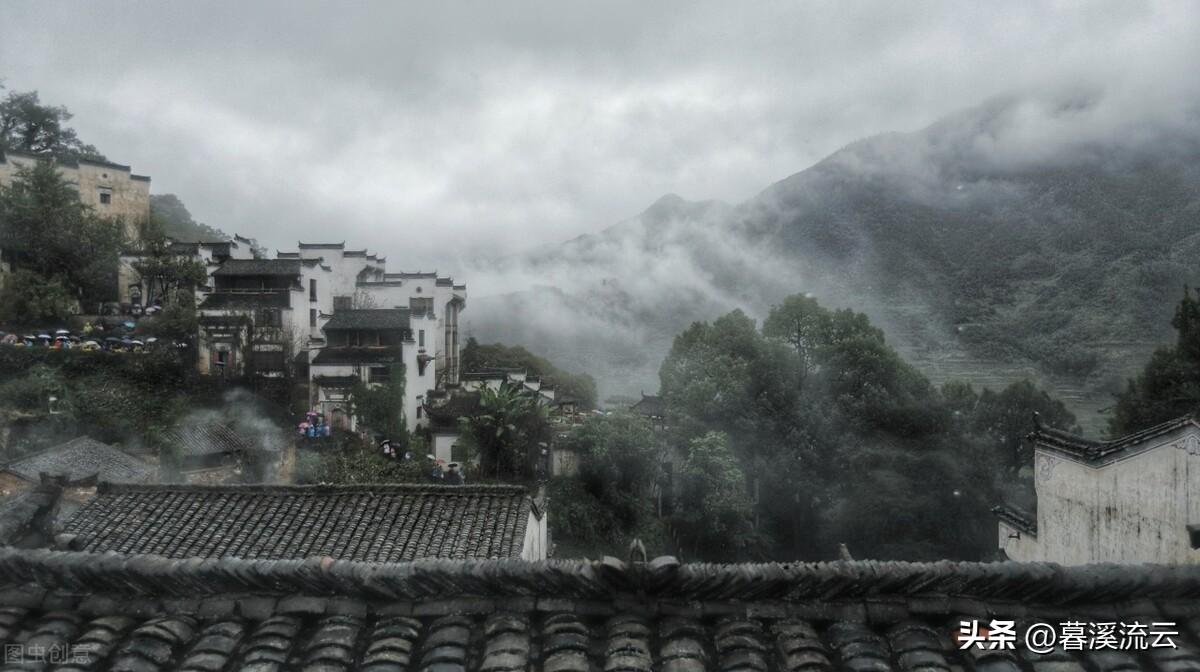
(370, 355)
(81, 459)
(217, 300)
(142, 613)
(384, 318)
(259, 267)
(651, 406)
(209, 438)
(374, 523)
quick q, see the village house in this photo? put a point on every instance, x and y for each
(80, 462)
(445, 407)
(111, 189)
(134, 291)
(365, 346)
(653, 409)
(214, 453)
(1134, 499)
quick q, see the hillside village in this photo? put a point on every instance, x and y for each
(216, 456)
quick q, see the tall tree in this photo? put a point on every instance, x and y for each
(506, 434)
(28, 126)
(45, 227)
(1169, 386)
(714, 512)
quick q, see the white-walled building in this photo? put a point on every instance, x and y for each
(1132, 500)
(364, 346)
(337, 315)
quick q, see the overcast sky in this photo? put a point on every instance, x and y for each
(427, 133)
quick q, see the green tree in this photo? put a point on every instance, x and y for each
(803, 324)
(381, 407)
(166, 273)
(713, 511)
(1169, 385)
(1004, 419)
(620, 461)
(30, 299)
(28, 126)
(356, 462)
(46, 227)
(506, 434)
(829, 424)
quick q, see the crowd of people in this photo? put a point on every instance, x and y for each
(92, 337)
(314, 426)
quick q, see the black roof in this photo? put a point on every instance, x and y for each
(259, 267)
(379, 318)
(372, 523)
(208, 438)
(458, 405)
(149, 613)
(364, 355)
(1017, 517)
(336, 381)
(651, 406)
(1097, 453)
(218, 300)
(82, 459)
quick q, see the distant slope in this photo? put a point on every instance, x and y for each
(178, 223)
(1017, 238)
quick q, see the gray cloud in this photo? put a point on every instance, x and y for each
(434, 136)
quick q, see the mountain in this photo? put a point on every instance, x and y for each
(1025, 237)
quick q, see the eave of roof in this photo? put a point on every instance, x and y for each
(1016, 518)
(1099, 453)
(233, 267)
(359, 355)
(663, 578)
(378, 318)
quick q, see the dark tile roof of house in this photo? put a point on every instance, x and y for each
(1097, 453)
(373, 523)
(1018, 518)
(336, 381)
(259, 267)
(80, 460)
(369, 355)
(650, 405)
(457, 405)
(208, 438)
(217, 300)
(491, 373)
(379, 318)
(147, 613)
(322, 246)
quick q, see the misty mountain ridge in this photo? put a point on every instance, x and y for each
(1025, 237)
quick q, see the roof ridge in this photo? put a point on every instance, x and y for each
(58, 446)
(251, 488)
(662, 578)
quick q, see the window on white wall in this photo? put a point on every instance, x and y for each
(421, 338)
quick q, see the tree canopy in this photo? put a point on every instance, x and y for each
(830, 437)
(47, 229)
(1169, 385)
(31, 127)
